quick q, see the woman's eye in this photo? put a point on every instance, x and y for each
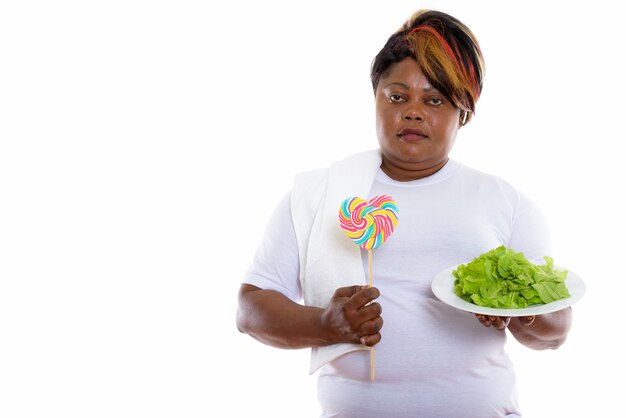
(396, 98)
(435, 101)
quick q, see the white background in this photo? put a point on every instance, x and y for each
(143, 145)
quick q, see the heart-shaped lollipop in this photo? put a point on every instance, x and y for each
(368, 223)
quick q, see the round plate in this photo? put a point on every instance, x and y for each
(443, 288)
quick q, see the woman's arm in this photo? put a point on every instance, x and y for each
(274, 319)
(545, 331)
(537, 332)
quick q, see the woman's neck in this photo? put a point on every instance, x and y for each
(410, 171)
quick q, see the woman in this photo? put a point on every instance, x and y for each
(431, 360)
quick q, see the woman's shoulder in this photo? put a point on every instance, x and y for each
(362, 162)
(492, 182)
(482, 174)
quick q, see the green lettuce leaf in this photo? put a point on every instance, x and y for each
(505, 279)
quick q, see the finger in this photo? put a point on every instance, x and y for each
(527, 320)
(362, 298)
(358, 318)
(483, 320)
(349, 291)
(371, 327)
(370, 311)
(501, 322)
(495, 320)
(370, 340)
(498, 322)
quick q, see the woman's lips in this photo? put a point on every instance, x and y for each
(412, 135)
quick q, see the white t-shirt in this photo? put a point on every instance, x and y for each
(433, 360)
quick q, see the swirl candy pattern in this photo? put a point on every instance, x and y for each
(368, 223)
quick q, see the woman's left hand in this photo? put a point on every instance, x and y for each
(501, 322)
(498, 322)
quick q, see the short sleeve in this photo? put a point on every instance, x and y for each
(276, 264)
(531, 233)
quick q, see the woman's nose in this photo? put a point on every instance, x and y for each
(413, 112)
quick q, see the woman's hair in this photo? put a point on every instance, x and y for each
(446, 51)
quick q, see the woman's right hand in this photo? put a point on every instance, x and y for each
(352, 316)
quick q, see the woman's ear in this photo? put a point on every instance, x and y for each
(464, 118)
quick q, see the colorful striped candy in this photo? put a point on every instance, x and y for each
(368, 224)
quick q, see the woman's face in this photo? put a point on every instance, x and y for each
(416, 125)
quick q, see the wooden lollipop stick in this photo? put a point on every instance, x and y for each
(372, 363)
(369, 264)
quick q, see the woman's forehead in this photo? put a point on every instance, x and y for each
(406, 74)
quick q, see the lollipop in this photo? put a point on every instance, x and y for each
(369, 224)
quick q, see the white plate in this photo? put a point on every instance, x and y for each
(443, 288)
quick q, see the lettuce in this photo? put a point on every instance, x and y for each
(503, 278)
